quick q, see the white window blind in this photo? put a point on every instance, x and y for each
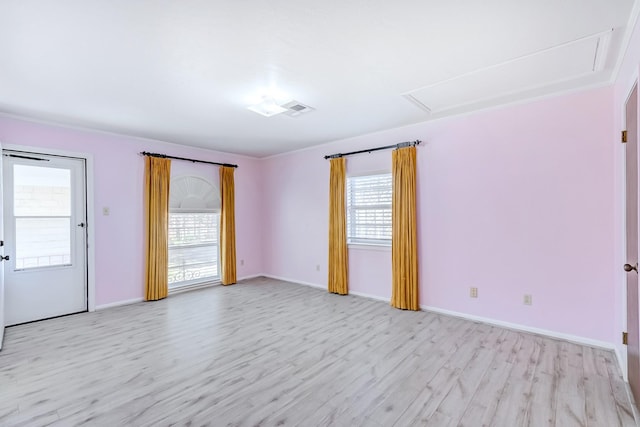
(369, 209)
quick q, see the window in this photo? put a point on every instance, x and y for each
(193, 232)
(369, 209)
(193, 247)
(42, 212)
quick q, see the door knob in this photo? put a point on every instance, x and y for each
(4, 258)
(629, 267)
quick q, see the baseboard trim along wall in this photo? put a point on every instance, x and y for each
(187, 288)
(623, 366)
(516, 326)
(552, 334)
(297, 282)
(119, 303)
(253, 276)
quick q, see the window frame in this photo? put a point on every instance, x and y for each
(366, 243)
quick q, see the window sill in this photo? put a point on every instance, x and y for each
(193, 286)
(366, 247)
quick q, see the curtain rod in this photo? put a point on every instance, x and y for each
(164, 156)
(386, 147)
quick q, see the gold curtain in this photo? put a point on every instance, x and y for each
(227, 226)
(404, 245)
(157, 178)
(337, 228)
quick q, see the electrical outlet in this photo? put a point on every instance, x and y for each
(241, 262)
(106, 211)
(527, 300)
(318, 267)
(473, 292)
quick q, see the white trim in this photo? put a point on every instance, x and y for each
(413, 130)
(369, 296)
(253, 276)
(368, 247)
(141, 299)
(369, 173)
(630, 85)
(91, 237)
(324, 287)
(80, 128)
(567, 337)
(297, 282)
(194, 286)
(119, 303)
(632, 400)
(626, 41)
(509, 325)
(623, 367)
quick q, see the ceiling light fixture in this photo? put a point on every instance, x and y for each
(267, 107)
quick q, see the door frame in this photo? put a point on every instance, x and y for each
(89, 183)
(621, 278)
(625, 161)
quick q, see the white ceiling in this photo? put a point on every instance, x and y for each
(185, 71)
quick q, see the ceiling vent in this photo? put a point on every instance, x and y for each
(295, 108)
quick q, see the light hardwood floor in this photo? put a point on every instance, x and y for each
(271, 353)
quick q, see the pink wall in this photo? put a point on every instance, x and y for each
(514, 201)
(626, 78)
(118, 177)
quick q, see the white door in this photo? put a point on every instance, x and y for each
(45, 236)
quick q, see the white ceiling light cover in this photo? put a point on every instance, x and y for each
(267, 107)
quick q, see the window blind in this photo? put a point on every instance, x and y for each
(369, 209)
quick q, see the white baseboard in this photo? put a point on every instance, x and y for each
(375, 297)
(119, 303)
(516, 326)
(137, 300)
(553, 334)
(297, 282)
(324, 287)
(253, 276)
(623, 367)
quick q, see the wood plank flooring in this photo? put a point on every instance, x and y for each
(271, 353)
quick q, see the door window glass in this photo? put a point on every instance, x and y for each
(42, 213)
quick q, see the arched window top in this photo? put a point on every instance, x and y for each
(192, 193)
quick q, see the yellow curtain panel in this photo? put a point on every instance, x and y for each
(404, 244)
(157, 180)
(338, 228)
(227, 226)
